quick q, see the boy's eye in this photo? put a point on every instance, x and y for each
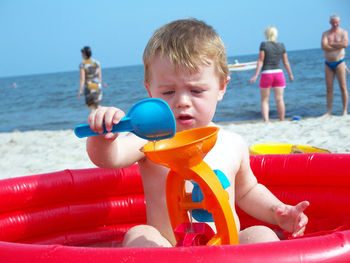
(169, 92)
(196, 91)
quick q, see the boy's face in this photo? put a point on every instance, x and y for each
(191, 96)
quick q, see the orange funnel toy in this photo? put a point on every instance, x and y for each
(184, 154)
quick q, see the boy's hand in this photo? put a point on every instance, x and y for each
(107, 116)
(292, 218)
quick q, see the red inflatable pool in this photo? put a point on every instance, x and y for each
(57, 217)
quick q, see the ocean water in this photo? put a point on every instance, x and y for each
(50, 101)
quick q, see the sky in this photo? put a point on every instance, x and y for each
(46, 36)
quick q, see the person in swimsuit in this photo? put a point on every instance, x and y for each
(90, 79)
(334, 41)
(272, 75)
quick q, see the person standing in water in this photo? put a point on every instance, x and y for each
(272, 76)
(90, 80)
(334, 41)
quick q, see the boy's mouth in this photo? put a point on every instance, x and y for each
(185, 119)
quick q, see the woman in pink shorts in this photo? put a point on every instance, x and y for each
(272, 75)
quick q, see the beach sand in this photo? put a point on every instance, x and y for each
(34, 152)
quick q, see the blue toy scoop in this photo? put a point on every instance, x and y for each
(150, 119)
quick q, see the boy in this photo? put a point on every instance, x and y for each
(185, 65)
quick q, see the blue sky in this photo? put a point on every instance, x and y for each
(41, 36)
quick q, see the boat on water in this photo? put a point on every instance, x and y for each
(61, 216)
(237, 66)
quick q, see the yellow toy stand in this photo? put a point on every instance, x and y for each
(283, 148)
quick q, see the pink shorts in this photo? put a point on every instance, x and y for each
(272, 79)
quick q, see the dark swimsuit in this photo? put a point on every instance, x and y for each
(333, 65)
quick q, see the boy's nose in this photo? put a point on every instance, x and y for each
(183, 101)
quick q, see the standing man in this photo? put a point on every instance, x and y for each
(334, 42)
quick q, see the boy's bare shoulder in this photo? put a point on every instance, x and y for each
(231, 137)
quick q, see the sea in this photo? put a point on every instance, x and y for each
(50, 101)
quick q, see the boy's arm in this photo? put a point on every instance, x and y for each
(115, 153)
(252, 197)
(110, 150)
(256, 200)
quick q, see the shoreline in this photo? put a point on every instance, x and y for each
(220, 123)
(34, 152)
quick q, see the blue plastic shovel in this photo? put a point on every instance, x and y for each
(151, 119)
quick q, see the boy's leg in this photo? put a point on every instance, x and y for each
(144, 236)
(257, 234)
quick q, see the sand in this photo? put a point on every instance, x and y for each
(331, 133)
(34, 152)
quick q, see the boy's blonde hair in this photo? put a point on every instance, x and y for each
(187, 43)
(271, 33)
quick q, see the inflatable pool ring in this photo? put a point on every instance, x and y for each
(57, 217)
(283, 148)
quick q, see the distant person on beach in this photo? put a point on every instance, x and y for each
(334, 41)
(90, 80)
(186, 65)
(272, 76)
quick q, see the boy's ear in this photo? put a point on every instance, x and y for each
(147, 88)
(223, 87)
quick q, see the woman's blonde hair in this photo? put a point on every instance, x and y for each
(187, 43)
(271, 33)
